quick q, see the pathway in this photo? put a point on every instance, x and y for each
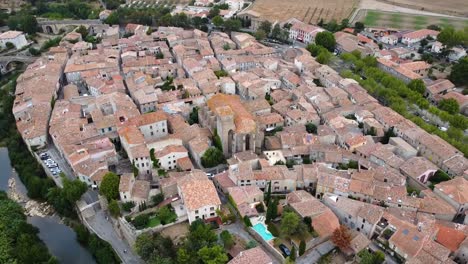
(313, 255)
(104, 229)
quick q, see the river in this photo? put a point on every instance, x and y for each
(59, 238)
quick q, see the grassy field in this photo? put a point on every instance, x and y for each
(308, 11)
(450, 7)
(406, 21)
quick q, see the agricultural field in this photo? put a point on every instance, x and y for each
(449, 7)
(406, 21)
(308, 11)
(154, 3)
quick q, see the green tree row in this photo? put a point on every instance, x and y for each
(394, 93)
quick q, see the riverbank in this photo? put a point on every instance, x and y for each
(61, 240)
(31, 207)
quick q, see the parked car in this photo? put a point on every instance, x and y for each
(44, 156)
(285, 250)
(51, 166)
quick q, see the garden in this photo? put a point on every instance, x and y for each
(163, 216)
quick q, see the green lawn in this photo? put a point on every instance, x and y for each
(420, 22)
(396, 19)
(375, 18)
(372, 18)
(154, 221)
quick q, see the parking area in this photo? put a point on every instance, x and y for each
(50, 164)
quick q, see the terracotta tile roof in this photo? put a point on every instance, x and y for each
(305, 204)
(126, 182)
(439, 86)
(456, 189)
(325, 223)
(243, 194)
(184, 163)
(416, 166)
(198, 191)
(224, 104)
(252, 256)
(450, 238)
(169, 150)
(10, 34)
(141, 189)
(422, 33)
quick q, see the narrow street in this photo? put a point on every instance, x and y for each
(313, 255)
(101, 225)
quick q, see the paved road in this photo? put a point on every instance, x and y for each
(103, 228)
(238, 229)
(313, 255)
(90, 196)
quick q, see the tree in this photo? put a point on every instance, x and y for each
(311, 128)
(367, 257)
(213, 255)
(268, 194)
(302, 247)
(140, 221)
(251, 244)
(212, 157)
(23, 22)
(265, 26)
(227, 238)
(358, 27)
(341, 237)
(19, 241)
(260, 35)
(232, 24)
(451, 37)
(114, 208)
(64, 199)
(217, 21)
(193, 117)
(293, 254)
(326, 39)
(150, 245)
(214, 12)
(289, 223)
(434, 27)
(458, 75)
(272, 210)
(221, 73)
(165, 214)
(157, 199)
(83, 31)
(127, 206)
(450, 105)
(247, 221)
(324, 57)
(417, 86)
(110, 186)
(276, 32)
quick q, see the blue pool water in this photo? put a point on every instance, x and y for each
(262, 230)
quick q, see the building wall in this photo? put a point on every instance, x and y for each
(19, 42)
(143, 164)
(204, 212)
(168, 162)
(125, 196)
(155, 130)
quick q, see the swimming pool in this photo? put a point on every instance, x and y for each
(262, 231)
